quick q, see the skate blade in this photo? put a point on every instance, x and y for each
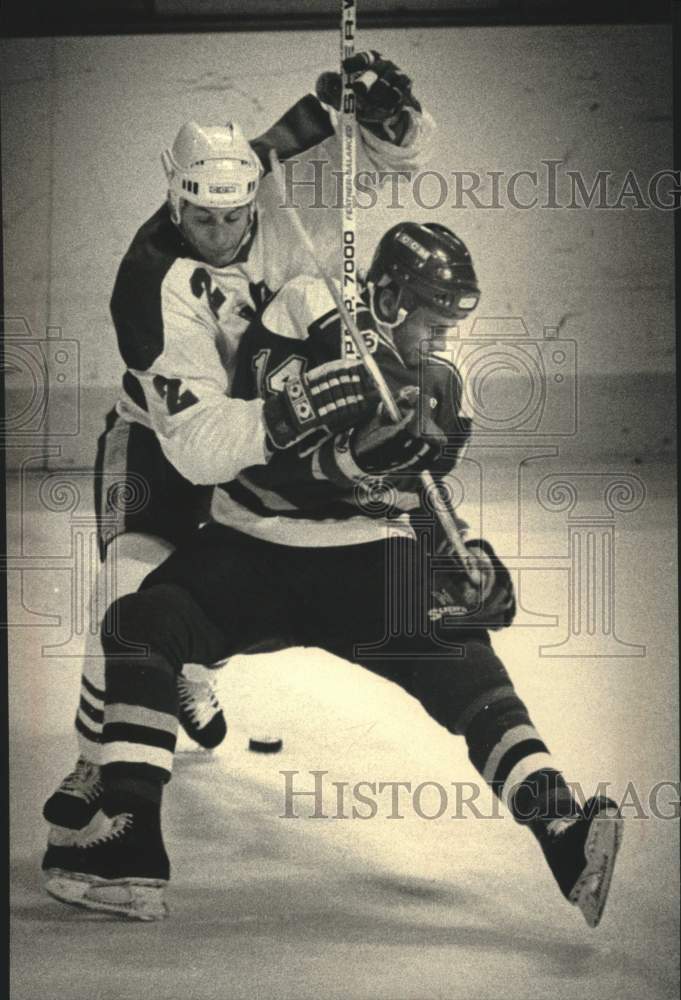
(590, 892)
(134, 899)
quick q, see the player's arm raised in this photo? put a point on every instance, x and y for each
(395, 131)
(394, 139)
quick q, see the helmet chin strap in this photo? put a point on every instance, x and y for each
(249, 227)
(174, 211)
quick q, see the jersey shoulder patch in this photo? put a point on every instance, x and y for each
(136, 299)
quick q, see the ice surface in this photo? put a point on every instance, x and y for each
(268, 907)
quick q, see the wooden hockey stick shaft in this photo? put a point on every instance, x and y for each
(358, 340)
(347, 301)
(348, 130)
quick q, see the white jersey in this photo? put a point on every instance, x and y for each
(179, 320)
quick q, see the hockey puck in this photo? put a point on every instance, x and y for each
(265, 744)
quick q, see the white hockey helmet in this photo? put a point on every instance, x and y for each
(211, 165)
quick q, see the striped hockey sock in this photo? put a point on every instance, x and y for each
(90, 718)
(511, 756)
(140, 724)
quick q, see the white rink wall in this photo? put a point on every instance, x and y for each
(84, 120)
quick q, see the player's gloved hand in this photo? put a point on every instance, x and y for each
(333, 396)
(394, 452)
(491, 605)
(381, 447)
(382, 91)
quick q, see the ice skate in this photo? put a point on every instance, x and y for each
(118, 866)
(581, 853)
(75, 801)
(200, 714)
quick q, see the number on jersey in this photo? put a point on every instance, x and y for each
(200, 282)
(169, 390)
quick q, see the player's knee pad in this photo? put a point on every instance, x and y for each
(449, 690)
(144, 622)
(163, 619)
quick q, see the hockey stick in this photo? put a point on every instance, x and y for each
(348, 114)
(348, 130)
(346, 302)
(443, 512)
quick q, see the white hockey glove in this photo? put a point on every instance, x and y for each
(332, 397)
(383, 94)
(491, 605)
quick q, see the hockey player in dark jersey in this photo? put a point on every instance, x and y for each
(302, 545)
(193, 277)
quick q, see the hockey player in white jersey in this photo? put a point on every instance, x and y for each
(193, 277)
(302, 544)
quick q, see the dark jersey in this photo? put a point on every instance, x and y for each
(293, 499)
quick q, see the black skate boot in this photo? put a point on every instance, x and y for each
(77, 799)
(118, 866)
(581, 853)
(200, 714)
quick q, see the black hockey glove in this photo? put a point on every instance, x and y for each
(382, 92)
(379, 448)
(333, 397)
(382, 447)
(491, 605)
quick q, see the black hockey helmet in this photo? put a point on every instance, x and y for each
(430, 265)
